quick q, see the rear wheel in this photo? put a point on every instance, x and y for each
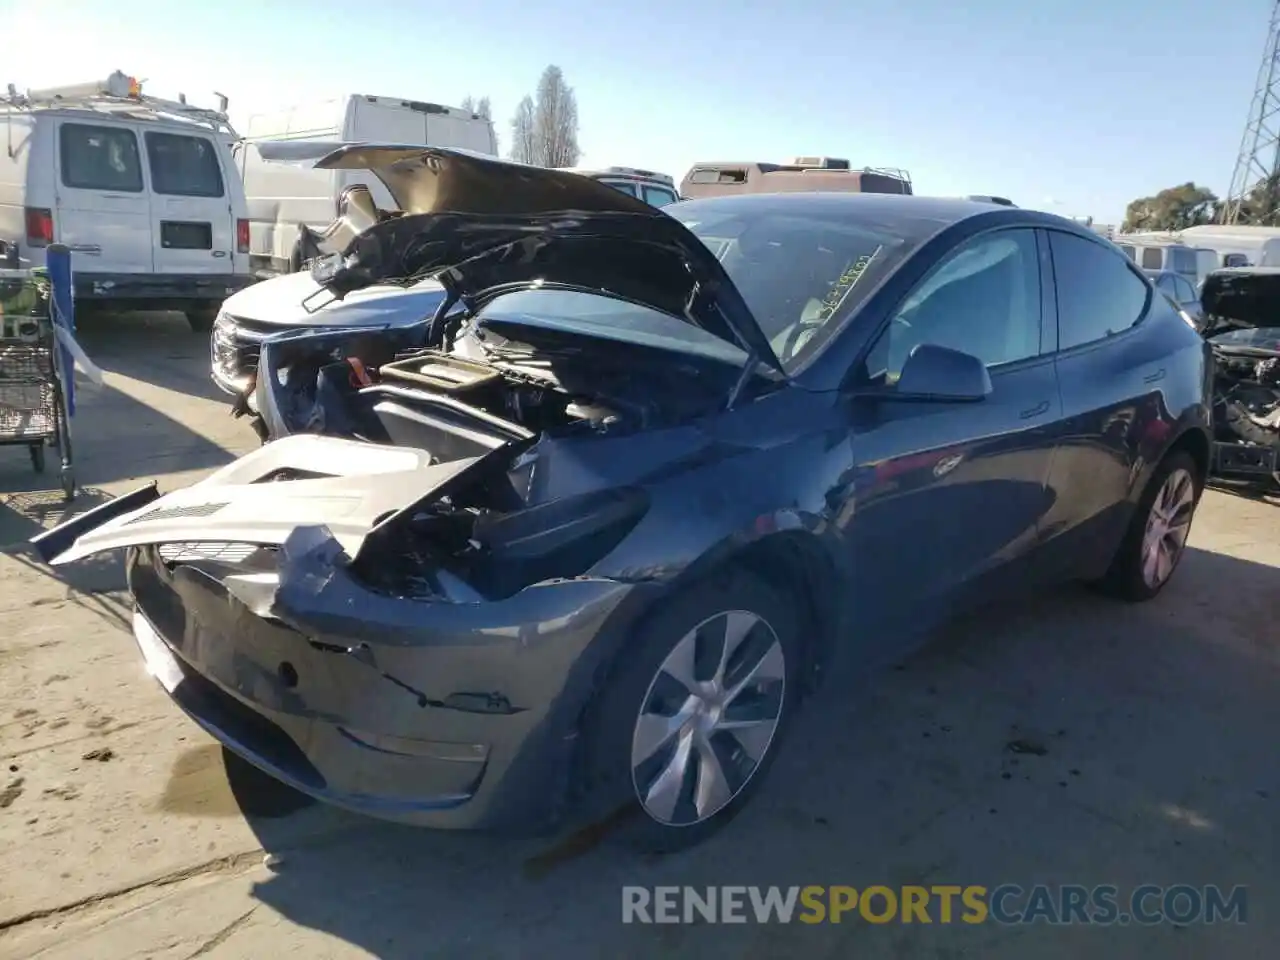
(201, 318)
(1157, 535)
(689, 724)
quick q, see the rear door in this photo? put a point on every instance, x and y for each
(103, 213)
(1111, 365)
(192, 223)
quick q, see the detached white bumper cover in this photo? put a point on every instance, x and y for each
(348, 487)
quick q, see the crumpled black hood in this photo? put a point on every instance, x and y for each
(1242, 298)
(481, 225)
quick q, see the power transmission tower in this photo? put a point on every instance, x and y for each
(1259, 158)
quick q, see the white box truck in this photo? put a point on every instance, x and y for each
(283, 198)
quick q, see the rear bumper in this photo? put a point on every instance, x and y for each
(158, 290)
(470, 722)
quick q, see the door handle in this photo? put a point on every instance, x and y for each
(1154, 377)
(1035, 411)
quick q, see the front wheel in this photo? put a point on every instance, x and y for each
(691, 720)
(1157, 534)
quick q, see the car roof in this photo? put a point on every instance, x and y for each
(940, 212)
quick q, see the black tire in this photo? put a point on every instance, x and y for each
(201, 319)
(1124, 579)
(610, 727)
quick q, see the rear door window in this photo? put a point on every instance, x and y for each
(100, 158)
(1152, 258)
(183, 166)
(1099, 293)
(1186, 293)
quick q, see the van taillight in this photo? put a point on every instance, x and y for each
(242, 236)
(39, 226)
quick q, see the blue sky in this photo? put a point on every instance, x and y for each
(1074, 106)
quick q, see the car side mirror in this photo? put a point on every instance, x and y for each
(942, 374)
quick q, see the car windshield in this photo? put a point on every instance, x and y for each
(802, 268)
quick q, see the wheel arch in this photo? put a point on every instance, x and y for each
(1195, 442)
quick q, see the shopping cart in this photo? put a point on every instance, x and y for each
(33, 371)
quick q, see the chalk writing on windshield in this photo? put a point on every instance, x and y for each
(845, 283)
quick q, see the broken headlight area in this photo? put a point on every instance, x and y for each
(449, 551)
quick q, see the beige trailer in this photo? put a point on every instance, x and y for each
(802, 175)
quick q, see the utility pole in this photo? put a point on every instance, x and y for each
(1258, 162)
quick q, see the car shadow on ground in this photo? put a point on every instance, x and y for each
(1068, 739)
(155, 347)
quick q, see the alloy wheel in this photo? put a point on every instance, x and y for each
(708, 718)
(1168, 525)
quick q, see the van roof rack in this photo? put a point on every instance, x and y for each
(122, 94)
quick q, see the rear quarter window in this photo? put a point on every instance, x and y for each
(1152, 258)
(99, 158)
(183, 166)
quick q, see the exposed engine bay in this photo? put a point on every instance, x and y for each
(1242, 310)
(519, 382)
(1247, 399)
(544, 499)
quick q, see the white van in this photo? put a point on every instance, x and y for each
(144, 191)
(283, 199)
(655, 189)
(1238, 246)
(1193, 263)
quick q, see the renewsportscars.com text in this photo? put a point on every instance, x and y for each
(1103, 904)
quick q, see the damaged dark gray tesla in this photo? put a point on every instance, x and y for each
(1242, 323)
(589, 535)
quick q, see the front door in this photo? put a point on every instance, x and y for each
(946, 498)
(103, 213)
(191, 217)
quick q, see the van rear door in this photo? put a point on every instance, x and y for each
(103, 213)
(191, 216)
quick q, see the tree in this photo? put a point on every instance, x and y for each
(1175, 208)
(544, 131)
(524, 141)
(479, 108)
(556, 120)
(1261, 205)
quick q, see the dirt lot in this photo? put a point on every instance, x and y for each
(1067, 741)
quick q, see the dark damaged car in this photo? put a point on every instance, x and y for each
(1241, 309)
(643, 480)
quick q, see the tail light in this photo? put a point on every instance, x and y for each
(39, 226)
(242, 236)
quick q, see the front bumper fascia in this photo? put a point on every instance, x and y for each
(468, 719)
